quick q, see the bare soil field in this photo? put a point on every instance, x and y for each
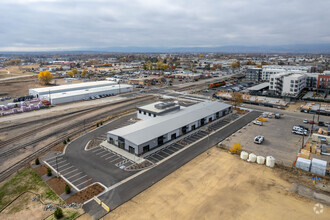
(218, 185)
(85, 194)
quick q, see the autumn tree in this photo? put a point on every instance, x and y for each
(237, 98)
(84, 73)
(249, 62)
(13, 62)
(72, 73)
(234, 65)
(45, 77)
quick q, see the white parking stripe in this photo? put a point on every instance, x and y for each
(78, 179)
(74, 175)
(115, 159)
(59, 162)
(160, 156)
(66, 169)
(96, 150)
(98, 153)
(70, 172)
(54, 159)
(107, 158)
(175, 148)
(170, 150)
(63, 165)
(83, 182)
(165, 153)
(106, 154)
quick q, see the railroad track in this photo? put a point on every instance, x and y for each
(12, 169)
(61, 118)
(79, 124)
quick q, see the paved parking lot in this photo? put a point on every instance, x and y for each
(191, 138)
(111, 157)
(75, 176)
(279, 141)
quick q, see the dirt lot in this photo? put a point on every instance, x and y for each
(217, 185)
(279, 140)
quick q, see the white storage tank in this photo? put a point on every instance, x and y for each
(303, 164)
(244, 155)
(270, 161)
(252, 158)
(319, 166)
(260, 160)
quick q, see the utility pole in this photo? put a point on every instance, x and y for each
(318, 115)
(57, 167)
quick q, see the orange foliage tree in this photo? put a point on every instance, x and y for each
(45, 77)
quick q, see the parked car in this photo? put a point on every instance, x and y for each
(259, 139)
(298, 129)
(277, 116)
(311, 122)
(258, 123)
(321, 123)
(327, 124)
(306, 121)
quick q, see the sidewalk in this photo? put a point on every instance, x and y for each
(122, 152)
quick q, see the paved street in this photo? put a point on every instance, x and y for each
(129, 189)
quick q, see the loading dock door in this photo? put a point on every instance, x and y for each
(173, 136)
(160, 140)
(146, 149)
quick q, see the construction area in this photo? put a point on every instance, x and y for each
(212, 184)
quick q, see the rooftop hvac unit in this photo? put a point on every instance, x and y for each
(164, 105)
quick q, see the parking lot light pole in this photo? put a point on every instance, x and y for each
(57, 173)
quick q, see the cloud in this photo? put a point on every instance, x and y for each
(42, 24)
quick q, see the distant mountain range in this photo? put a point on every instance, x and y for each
(293, 49)
(299, 48)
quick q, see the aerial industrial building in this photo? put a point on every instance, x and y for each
(80, 91)
(146, 135)
(36, 92)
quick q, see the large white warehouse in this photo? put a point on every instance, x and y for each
(148, 134)
(85, 94)
(37, 92)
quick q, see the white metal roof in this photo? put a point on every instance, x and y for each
(90, 91)
(144, 131)
(259, 87)
(151, 107)
(73, 86)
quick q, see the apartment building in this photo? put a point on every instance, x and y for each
(253, 74)
(323, 81)
(287, 83)
(269, 70)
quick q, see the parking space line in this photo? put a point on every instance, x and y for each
(115, 159)
(79, 179)
(96, 150)
(98, 153)
(160, 156)
(63, 165)
(55, 161)
(66, 169)
(171, 151)
(106, 154)
(70, 171)
(165, 153)
(59, 162)
(74, 175)
(58, 158)
(84, 182)
(107, 158)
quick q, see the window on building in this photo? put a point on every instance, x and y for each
(292, 81)
(144, 113)
(291, 90)
(140, 111)
(149, 114)
(154, 115)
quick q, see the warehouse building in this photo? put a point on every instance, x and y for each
(86, 94)
(37, 92)
(146, 135)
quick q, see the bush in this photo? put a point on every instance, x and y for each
(97, 124)
(67, 189)
(68, 140)
(101, 123)
(49, 172)
(58, 213)
(37, 162)
(64, 142)
(236, 148)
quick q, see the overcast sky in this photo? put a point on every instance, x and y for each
(70, 24)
